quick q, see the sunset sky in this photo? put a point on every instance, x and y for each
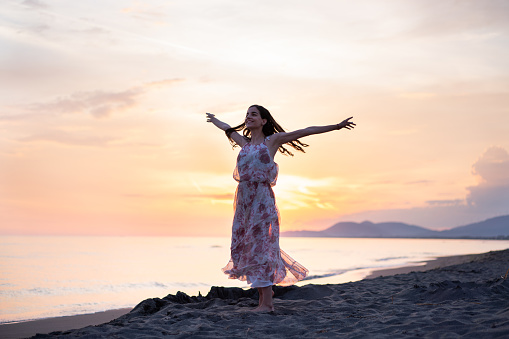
(103, 128)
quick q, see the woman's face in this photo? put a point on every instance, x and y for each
(254, 119)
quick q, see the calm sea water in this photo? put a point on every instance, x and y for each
(44, 277)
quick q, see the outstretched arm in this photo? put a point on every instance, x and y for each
(282, 138)
(239, 139)
(218, 123)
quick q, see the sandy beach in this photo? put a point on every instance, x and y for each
(451, 297)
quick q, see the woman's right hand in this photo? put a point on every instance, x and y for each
(210, 116)
(216, 122)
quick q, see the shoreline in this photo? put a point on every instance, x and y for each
(24, 329)
(30, 328)
(427, 265)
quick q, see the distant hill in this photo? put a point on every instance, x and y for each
(492, 228)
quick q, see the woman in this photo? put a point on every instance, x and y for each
(255, 254)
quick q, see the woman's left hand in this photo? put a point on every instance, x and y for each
(346, 124)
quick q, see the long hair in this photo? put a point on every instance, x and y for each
(269, 128)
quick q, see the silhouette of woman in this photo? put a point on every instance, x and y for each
(255, 253)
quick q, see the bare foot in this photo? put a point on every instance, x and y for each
(260, 298)
(264, 308)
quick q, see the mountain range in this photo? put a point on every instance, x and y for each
(494, 228)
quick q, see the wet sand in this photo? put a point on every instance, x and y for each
(30, 328)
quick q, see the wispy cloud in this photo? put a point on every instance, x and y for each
(36, 4)
(66, 138)
(98, 104)
(8, 117)
(144, 11)
(453, 202)
(419, 182)
(163, 83)
(224, 196)
(469, 16)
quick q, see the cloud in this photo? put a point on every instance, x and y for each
(220, 196)
(100, 103)
(454, 202)
(163, 83)
(467, 16)
(298, 193)
(36, 4)
(17, 117)
(145, 12)
(489, 198)
(419, 182)
(89, 137)
(62, 137)
(492, 193)
(493, 166)
(94, 31)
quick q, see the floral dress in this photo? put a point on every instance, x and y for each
(255, 252)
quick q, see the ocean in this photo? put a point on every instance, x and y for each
(51, 276)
